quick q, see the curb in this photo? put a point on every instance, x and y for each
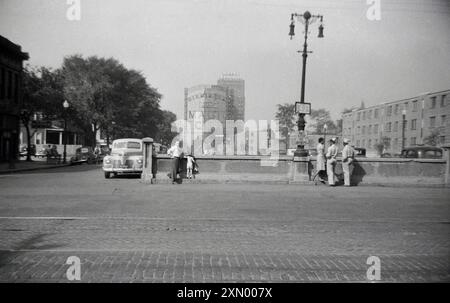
(18, 170)
(287, 182)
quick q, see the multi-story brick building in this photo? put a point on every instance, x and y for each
(11, 64)
(206, 101)
(424, 115)
(236, 95)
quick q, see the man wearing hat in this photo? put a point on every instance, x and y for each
(331, 161)
(347, 159)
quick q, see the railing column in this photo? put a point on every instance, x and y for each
(147, 176)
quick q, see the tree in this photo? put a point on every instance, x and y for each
(286, 118)
(42, 95)
(318, 119)
(103, 91)
(165, 134)
(433, 139)
(382, 145)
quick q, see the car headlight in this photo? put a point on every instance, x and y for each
(107, 161)
(139, 161)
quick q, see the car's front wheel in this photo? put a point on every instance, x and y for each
(107, 175)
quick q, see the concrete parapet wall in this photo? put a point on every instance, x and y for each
(365, 170)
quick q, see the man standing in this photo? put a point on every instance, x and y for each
(347, 159)
(331, 161)
(175, 152)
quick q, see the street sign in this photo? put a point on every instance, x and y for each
(303, 108)
(41, 124)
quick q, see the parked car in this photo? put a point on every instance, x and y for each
(422, 152)
(125, 158)
(359, 151)
(82, 155)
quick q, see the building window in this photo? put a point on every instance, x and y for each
(370, 130)
(433, 102)
(10, 88)
(375, 129)
(363, 143)
(396, 126)
(358, 117)
(358, 130)
(396, 109)
(405, 105)
(369, 143)
(2, 83)
(443, 120)
(414, 109)
(432, 121)
(413, 140)
(388, 127)
(441, 140)
(443, 100)
(357, 143)
(369, 114)
(413, 124)
(395, 143)
(389, 110)
(16, 88)
(364, 115)
(376, 112)
(364, 130)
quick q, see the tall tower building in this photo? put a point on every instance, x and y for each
(236, 94)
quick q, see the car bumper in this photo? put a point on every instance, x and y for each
(123, 170)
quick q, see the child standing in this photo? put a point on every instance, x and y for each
(190, 166)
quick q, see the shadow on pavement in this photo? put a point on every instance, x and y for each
(65, 169)
(32, 243)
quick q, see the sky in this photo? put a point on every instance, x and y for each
(182, 43)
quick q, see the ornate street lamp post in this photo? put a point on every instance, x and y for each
(65, 106)
(306, 18)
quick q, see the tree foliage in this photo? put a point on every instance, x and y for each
(42, 95)
(106, 95)
(433, 138)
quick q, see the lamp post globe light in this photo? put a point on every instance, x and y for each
(307, 19)
(325, 127)
(65, 106)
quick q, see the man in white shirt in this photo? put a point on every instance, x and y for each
(175, 152)
(331, 161)
(347, 159)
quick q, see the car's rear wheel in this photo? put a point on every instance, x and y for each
(107, 175)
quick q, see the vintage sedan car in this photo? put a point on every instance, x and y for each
(125, 158)
(422, 152)
(82, 155)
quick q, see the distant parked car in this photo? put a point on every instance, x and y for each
(82, 155)
(422, 152)
(386, 155)
(125, 158)
(359, 151)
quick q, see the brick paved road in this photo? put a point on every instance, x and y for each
(124, 231)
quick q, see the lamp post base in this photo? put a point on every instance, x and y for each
(301, 151)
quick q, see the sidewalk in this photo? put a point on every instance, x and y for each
(22, 165)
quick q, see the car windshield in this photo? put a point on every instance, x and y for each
(129, 145)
